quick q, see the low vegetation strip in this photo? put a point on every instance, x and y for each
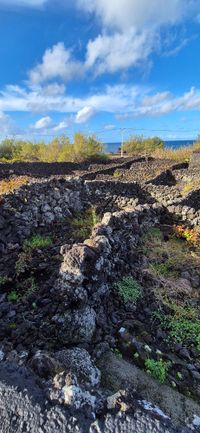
(85, 147)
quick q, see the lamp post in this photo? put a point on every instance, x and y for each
(122, 142)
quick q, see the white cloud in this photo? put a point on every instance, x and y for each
(53, 89)
(164, 103)
(109, 127)
(123, 14)
(130, 34)
(57, 62)
(119, 51)
(43, 123)
(84, 114)
(174, 51)
(131, 30)
(155, 99)
(7, 126)
(122, 100)
(64, 124)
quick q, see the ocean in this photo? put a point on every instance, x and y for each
(114, 147)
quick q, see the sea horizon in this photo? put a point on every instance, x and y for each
(113, 147)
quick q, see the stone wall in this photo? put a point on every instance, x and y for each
(45, 169)
(36, 205)
(89, 269)
(187, 208)
(41, 203)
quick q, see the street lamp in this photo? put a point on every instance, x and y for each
(122, 142)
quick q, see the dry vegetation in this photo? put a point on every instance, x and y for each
(9, 185)
(181, 154)
(191, 186)
(167, 259)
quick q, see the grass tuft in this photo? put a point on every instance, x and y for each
(129, 289)
(157, 369)
(37, 242)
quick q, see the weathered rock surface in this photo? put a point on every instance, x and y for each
(79, 362)
(76, 326)
(25, 408)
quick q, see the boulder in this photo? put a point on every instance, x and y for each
(79, 362)
(66, 390)
(76, 263)
(44, 365)
(76, 326)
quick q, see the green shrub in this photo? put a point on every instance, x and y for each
(59, 149)
(129, 289)
(138, 144)
(13, 296)
(183, 325)
(163, 269)
(157, 369)
(37, 241)
(198, 342)
(7, 149)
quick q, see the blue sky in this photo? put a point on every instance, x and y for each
(99, 66)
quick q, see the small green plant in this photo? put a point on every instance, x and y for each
(198, 342)
(152, 234)
(22, 263)
(157, 369)
(37, 242)
(83, 222)
(163, 269)
(13, 325)
(28, 287)
(117, 353)
(129, 289)
(117, 174)
(4, 280)
(13, 296)
(182, 325)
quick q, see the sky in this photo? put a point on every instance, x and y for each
(100, 66)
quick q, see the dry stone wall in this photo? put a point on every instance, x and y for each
(36, 205)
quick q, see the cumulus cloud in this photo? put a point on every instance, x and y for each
(64, 124)
(57, 62)
(43, 123)
(119, 51)
(130, 34)
(131, 30)
(84, 114)
(123, 14)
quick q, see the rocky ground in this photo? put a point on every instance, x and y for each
(100, 272)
